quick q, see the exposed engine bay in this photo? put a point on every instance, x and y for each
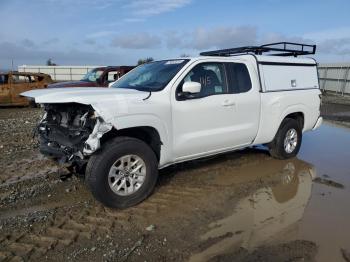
(70, 132)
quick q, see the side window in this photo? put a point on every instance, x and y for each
(31, 79)
(113, 76)
(18, 79)
(22, 79)
(14, 79)
(3, 80)
(211, 76)
(238, 78)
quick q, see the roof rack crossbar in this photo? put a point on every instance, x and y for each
(276, 49)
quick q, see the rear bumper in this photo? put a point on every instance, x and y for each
(318, 123)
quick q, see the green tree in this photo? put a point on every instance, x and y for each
(145, 60)
(50, 63)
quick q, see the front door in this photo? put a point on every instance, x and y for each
(223, 116)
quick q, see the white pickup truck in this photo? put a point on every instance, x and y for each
(170, 111)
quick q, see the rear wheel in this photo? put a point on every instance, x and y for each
(287, 141)
(123, 173)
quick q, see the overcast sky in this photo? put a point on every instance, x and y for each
(116, 32)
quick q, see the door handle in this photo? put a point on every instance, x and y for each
(228, 103)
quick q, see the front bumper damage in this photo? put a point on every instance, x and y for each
(70, 133)
(93, 141)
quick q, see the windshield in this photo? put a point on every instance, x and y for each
(92, 75)
(151, 76)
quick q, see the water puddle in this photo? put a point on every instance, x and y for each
(326, 220)
(311, 202)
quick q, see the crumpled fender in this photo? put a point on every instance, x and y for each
(93, 141)
(119, 117)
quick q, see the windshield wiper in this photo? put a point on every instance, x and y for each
(150, 93)
(138, 88)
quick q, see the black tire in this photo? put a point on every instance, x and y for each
(99, 164)
(77, 170)
(276, 147)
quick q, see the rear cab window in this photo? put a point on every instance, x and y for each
(238, 78)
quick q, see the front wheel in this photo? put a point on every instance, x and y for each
(123, 173)
(287, 141)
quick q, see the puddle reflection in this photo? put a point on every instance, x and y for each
(265, 214)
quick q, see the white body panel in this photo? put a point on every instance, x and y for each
(277, 78)
(277, 105)
(218, 123)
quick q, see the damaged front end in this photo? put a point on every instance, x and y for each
(70, 132)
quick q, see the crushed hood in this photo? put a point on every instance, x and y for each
(108, 102)
(72, 84)
(88, 95)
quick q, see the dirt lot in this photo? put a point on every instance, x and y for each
(242, 206)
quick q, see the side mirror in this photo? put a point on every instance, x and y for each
(191, 87)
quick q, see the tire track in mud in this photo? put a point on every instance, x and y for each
(177, 194)
(60, 233)
(88, 222)
(181, 190)
(26, 168)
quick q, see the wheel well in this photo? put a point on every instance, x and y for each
(299, 117)
(147, 134)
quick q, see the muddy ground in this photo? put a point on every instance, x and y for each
(242, 206)
(336, 108)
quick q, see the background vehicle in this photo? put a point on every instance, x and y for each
(98, 77)
(171, 111)
(13, 83)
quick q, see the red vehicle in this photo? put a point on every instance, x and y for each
(97, 77)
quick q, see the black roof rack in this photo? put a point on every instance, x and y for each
(275, 49)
